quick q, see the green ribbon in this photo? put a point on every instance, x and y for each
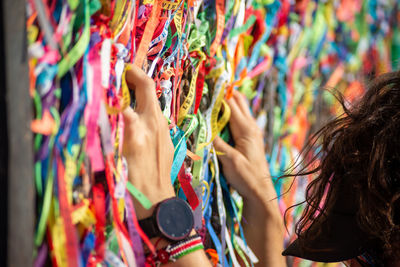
(73, 4)
(201, 138)
(192, 124)
(79, 49)
(247, 88)
(250, 21)
(49, 186)
(143, 200)
(197, 38)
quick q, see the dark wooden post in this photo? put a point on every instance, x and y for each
(19, 149)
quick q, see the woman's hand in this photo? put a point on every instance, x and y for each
(147, 148)
(149, 152)
(245, 166)
(246, 169)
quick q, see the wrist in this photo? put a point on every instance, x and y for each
(261, 192)
(266, 211)
(154, 196)
(171, 221)
(263, 200)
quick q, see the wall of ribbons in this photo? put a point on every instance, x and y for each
(280, 54)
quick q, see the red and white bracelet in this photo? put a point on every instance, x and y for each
(184, 247)
(175, 251)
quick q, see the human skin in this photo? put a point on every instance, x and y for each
(149, 153)
(246, 169)
(147, 147)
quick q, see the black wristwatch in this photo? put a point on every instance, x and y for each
(171, 219)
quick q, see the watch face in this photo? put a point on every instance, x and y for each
(175, 219)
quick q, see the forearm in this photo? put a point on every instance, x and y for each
(264, 230)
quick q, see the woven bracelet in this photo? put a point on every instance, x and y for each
(184, 247)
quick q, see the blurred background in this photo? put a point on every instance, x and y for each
(286, 57)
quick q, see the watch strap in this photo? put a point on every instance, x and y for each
(149, 227)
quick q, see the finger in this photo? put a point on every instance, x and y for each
(241, 101)
(130, 116)
(227, 152)
(236, 113)
(237, 121)
(144, 86)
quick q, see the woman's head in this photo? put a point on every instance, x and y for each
(360, 151)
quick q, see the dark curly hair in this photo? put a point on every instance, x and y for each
(362, 149)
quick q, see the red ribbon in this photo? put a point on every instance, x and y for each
(71, 244)
(184, 180)
(99, 204)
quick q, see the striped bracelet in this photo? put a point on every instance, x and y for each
(184, 247)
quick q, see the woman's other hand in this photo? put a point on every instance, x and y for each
(147, 147)
(246, 169)
(244, 165)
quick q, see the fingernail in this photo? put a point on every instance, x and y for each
(217, 140)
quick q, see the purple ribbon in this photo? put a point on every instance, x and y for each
(133, 234)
